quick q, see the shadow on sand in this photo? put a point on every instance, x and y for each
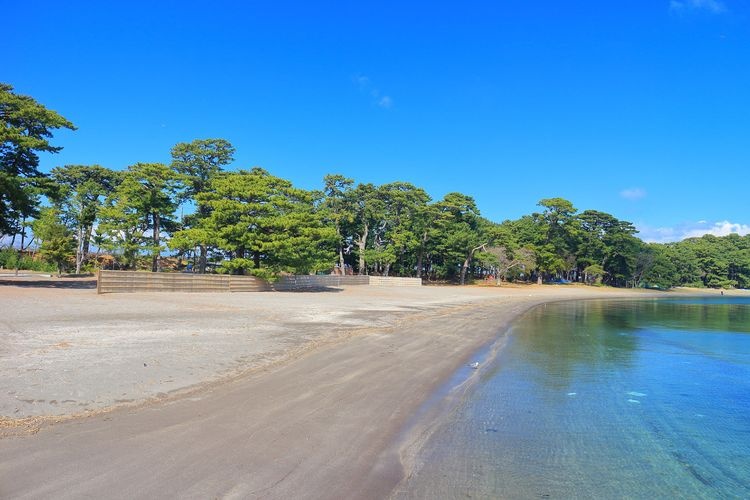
(89, 284)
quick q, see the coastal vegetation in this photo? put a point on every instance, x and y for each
(250, 221)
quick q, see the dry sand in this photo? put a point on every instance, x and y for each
(268, 395)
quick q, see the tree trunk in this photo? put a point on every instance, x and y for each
(88, 231)
(85, 236)
(467, 261)
(420, 257)
(20, 250)
(464, 267)
(155, 259)
(203, 259)
(341, 251)
(79, 249)
(362, 243)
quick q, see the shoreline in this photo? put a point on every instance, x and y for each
(458, 447)
(447, 397)
(337, 410)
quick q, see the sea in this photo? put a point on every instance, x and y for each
(602, 399)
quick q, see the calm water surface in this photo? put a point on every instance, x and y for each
(604, 399)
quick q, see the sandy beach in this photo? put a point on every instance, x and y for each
(267, 395)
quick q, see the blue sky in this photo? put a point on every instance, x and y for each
(636, 108)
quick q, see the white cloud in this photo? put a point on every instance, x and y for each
(712, 6)
(692, 230)
(385, 102)
(722, 228)
(367, 87)
(633, 193)
(362, 81)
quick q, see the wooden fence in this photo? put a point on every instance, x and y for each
(140, 281)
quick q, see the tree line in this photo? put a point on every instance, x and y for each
(212, 219)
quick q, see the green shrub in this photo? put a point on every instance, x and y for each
(10, 259)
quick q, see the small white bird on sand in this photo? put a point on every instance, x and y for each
(474, 365)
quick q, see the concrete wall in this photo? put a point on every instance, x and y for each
(394, 281)
(301, 282)
(140, 281)
(311, 282)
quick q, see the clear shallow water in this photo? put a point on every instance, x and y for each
(636, 399)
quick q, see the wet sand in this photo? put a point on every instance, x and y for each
(271, 395)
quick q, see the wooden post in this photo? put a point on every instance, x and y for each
(99, 281)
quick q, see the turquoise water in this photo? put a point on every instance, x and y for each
(604, 399)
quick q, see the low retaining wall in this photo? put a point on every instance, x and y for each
(303, 282)
(140, 281)
(394, 281)
(314, 281)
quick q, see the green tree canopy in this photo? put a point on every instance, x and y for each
(397, 227)
(266, 225)
(459, 231)
(199, 162)
(338, 204)
(81, 193)
(56, 241)
(25, 129)
(140, 209)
